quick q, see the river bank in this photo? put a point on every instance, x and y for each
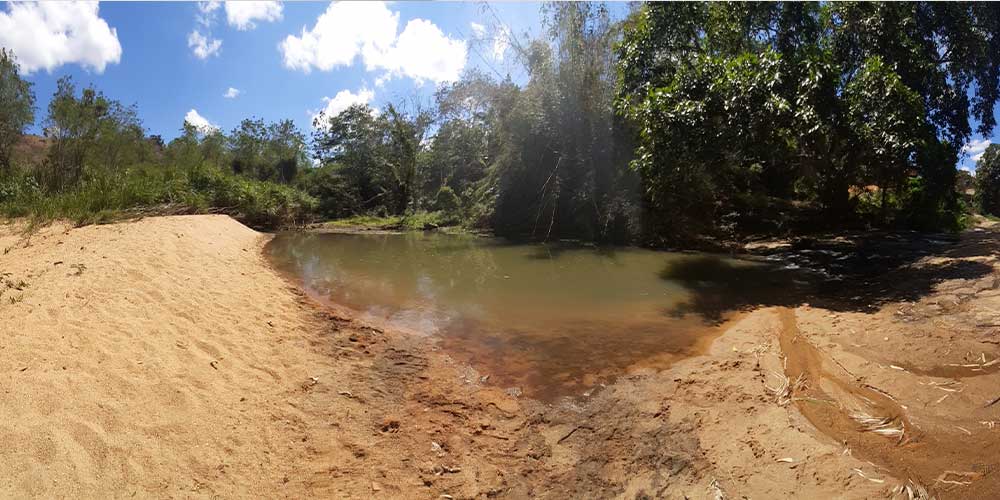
(164, 357)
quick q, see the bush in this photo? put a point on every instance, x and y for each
(103, 196)
(447, 201)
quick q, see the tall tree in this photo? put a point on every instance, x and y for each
(988, 180)
(90, 131)
(560, 169)
(17, 107)
(836, 93)
(355, 140)
(406, 132)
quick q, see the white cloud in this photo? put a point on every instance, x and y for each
(500, 44)
(347, 30)
(976, 148)
(203, 46)
(424, 52)
(478, 30)
(231, 93)
(200, 122)
(341, 33)
(343, 100)
(209, 6)
(382, 80)
(47, 35)
(242, 15)
(206, 11)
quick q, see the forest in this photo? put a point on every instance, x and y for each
(680, 121)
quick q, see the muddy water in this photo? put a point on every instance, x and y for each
(547, 320)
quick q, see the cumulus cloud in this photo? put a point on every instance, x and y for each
(47, 35)
(976, 148)
(348, 30)
(242, 15)
(203, 46)
(424, 52)
(206, 12)
(343, 100)
(341, 33)
(500, 44)
(200, 122)
(478, 30)
(231, 93)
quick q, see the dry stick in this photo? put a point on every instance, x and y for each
(552, 221)
(992, 402)
(542, 192)
(880, 391)
(573, 431)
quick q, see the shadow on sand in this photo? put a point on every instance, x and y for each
(858, 273)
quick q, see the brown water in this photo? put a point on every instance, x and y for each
(549, 320)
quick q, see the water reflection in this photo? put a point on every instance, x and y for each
(550, 319)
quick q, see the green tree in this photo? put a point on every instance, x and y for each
(838, 94)
(17, 107)
(988, 181)
(90, 131)
(356, 142)
(560, 168)
(268, 152)
(406, 134)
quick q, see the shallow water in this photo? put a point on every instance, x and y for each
(549, 320)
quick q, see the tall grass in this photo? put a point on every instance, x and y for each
(105, 196)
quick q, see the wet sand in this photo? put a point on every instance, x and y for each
(164, 358)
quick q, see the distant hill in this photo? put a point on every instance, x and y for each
(30, 151)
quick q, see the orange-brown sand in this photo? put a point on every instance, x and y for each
(163, 358)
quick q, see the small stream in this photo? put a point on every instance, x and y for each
(545, 320)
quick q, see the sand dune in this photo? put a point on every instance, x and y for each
(154, 357)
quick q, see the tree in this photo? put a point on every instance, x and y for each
(406, 132)
(560, 164)
(90, 131)
(356, 141)
(272, 151)
(839, 94)
(988, 181)
(17, 107)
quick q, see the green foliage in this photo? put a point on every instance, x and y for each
(447, 201)
(268, 152)
(735, 102)
(355, 140)
(106, 196)
(336, 198)
(558, 166)
(90, 130)
(17, 107)
(988, 181)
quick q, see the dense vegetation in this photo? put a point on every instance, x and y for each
(683, 119)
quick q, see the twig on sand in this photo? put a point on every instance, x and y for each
(883, 426)
(911, 491)
(992, 402)
(880, 391)
(716, 490)
(952, 477)
(872, 479)
(783, 392)
(570, 433)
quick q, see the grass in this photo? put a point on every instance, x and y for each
(105, 197)
(416, 221)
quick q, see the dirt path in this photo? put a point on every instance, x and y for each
(163, 358)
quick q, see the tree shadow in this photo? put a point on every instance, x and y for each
(854, 272)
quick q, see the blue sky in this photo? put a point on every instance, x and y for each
(178, 60)
(171, 58)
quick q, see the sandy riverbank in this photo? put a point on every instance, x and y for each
(164, 358)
